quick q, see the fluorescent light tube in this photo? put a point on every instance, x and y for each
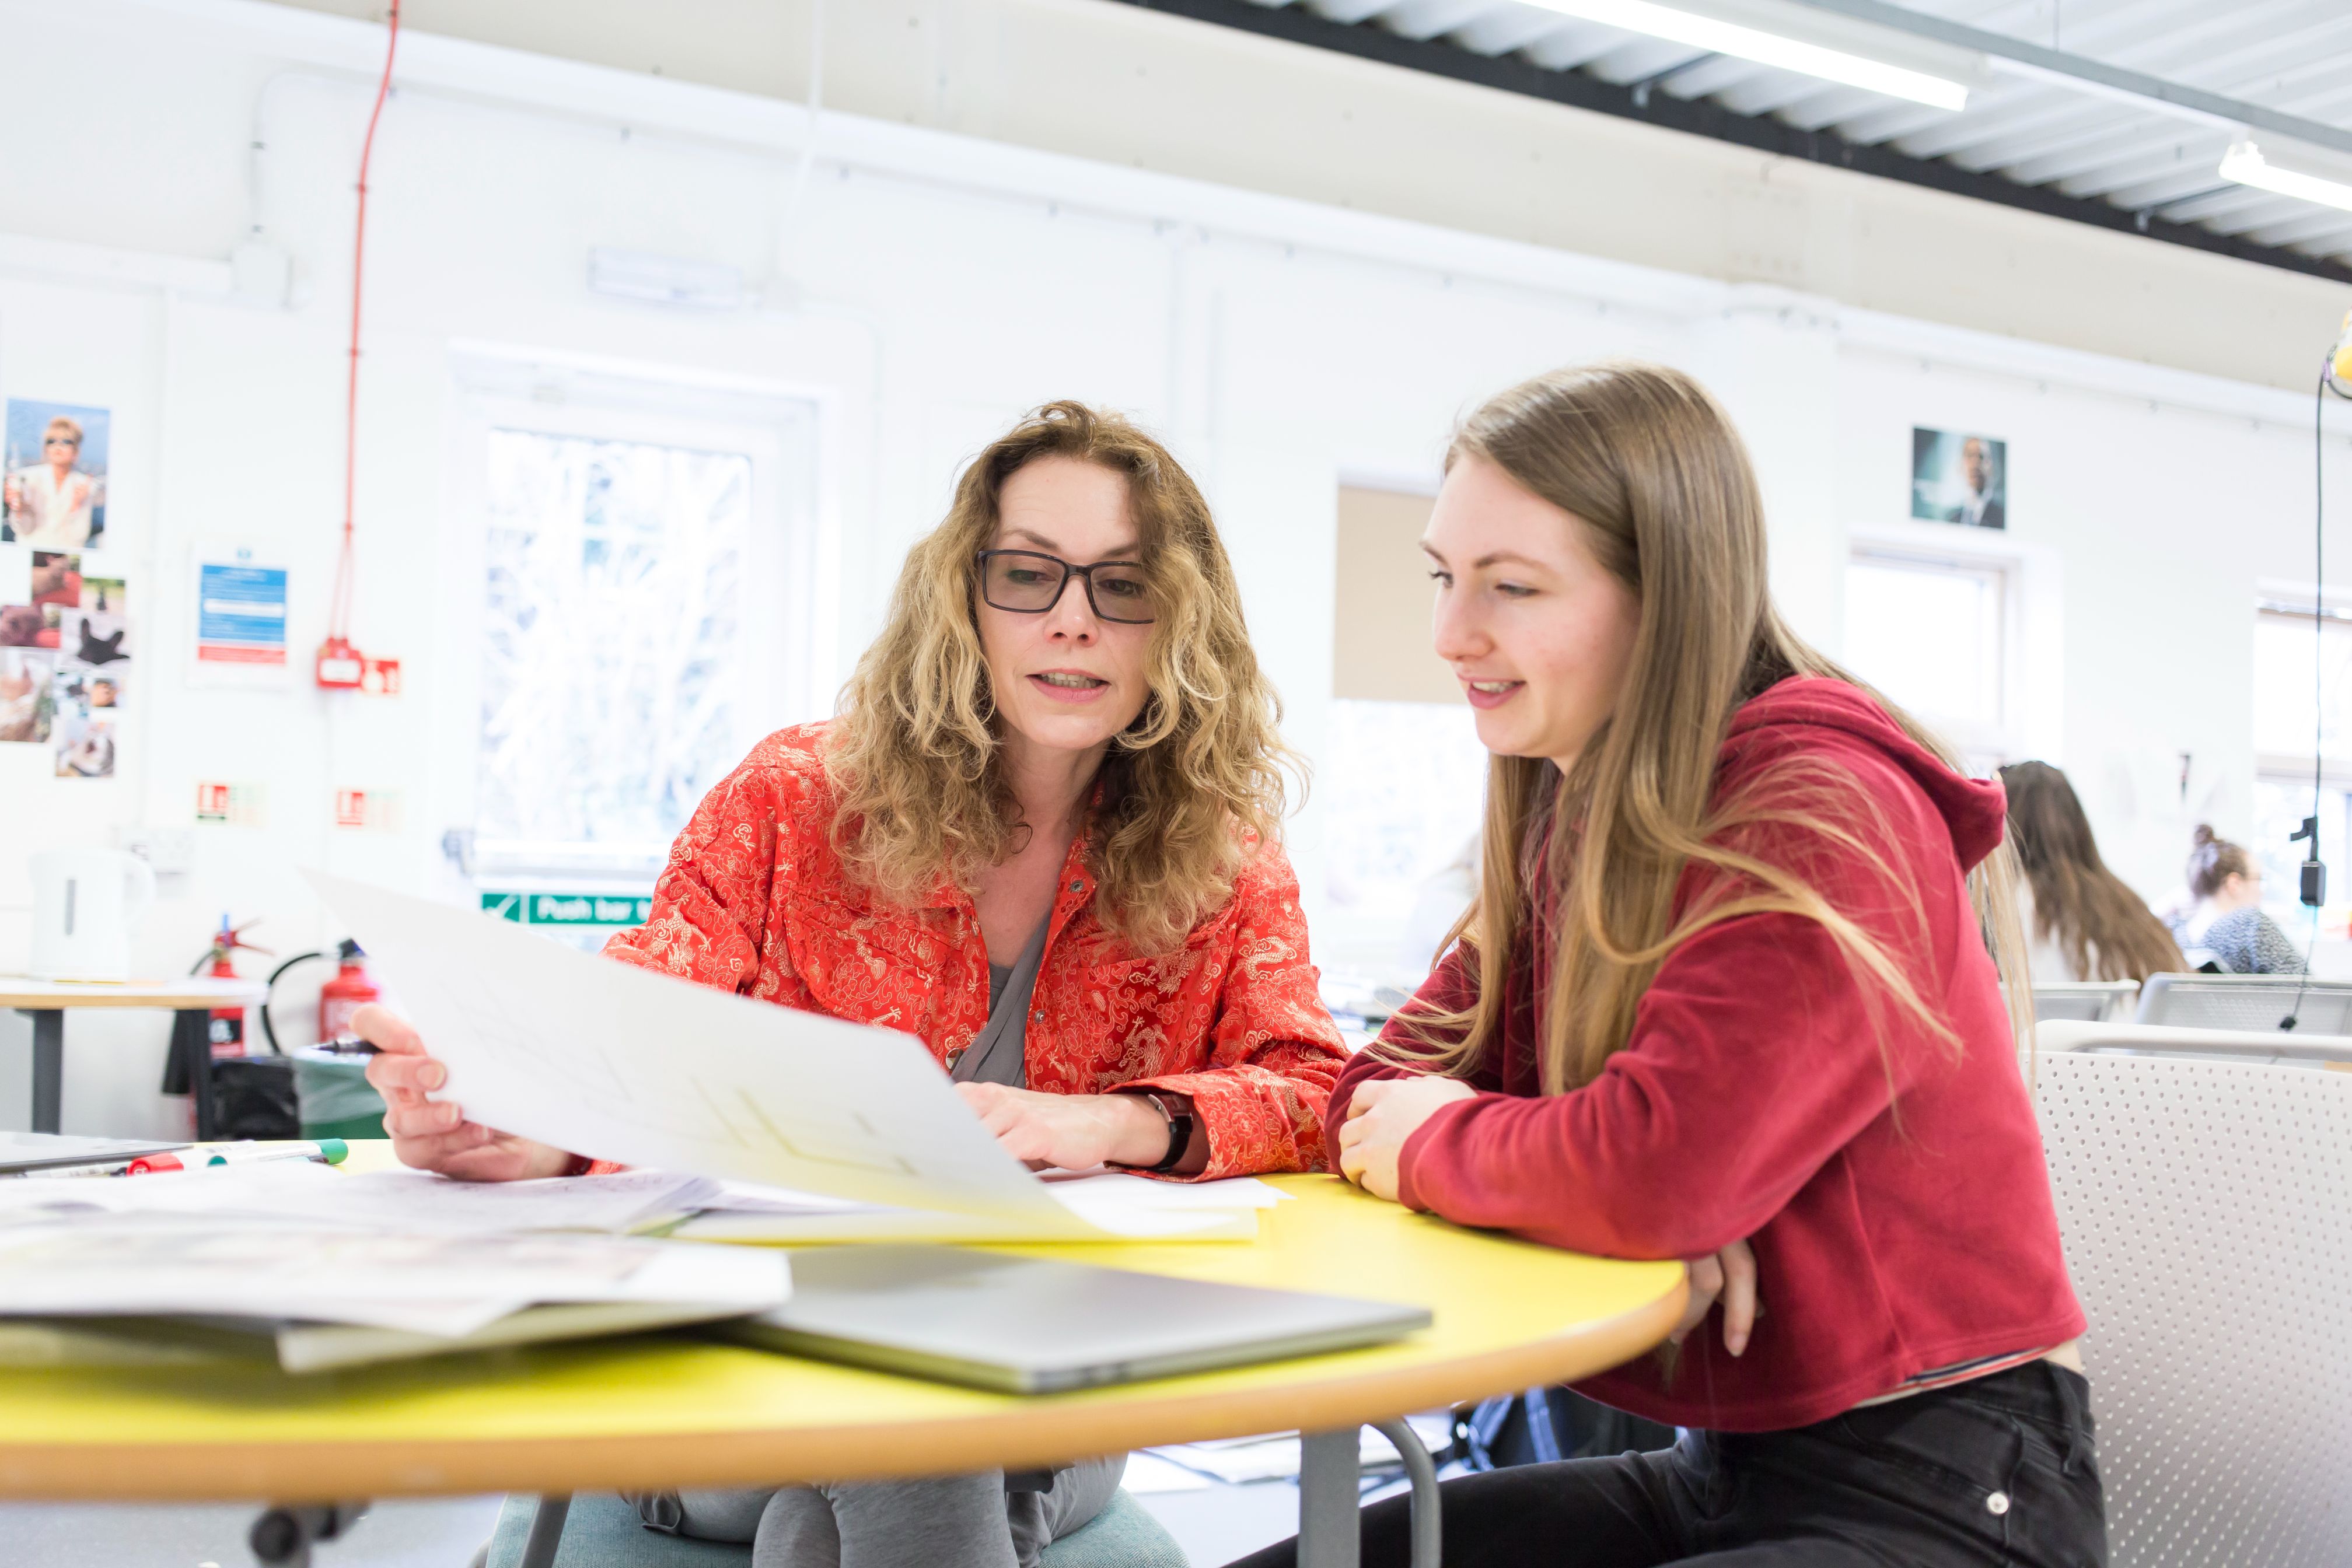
(665, 279)
(1722, 37)
(2245, 164)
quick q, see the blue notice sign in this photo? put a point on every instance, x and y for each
(240, 614)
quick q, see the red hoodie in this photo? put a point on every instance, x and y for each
(1894, 1190)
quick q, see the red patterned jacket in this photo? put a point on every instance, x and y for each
(755, 900)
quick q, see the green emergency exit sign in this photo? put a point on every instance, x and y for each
(570, 908)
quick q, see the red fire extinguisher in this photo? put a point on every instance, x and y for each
(347, 993)
(225, 1030)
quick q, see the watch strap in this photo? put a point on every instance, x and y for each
(1179, 1129)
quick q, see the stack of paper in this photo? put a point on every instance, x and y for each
(329, 1296)
(399, 1200)
(1132, 1208)
(327, 1269)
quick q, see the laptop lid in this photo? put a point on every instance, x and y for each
(1036, 1325)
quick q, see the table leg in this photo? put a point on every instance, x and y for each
(1328, 1533)
(546, 1531)
(195, 1027)
(49, 1066)
(1426, 1534)
(282, 1537)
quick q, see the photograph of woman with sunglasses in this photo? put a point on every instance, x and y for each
(55, 497)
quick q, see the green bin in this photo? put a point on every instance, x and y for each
(336, 1099)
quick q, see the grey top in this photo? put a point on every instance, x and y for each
(2249, 942)
(996, 1054)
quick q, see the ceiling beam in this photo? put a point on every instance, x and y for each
(2088, 75)
(1701, 117)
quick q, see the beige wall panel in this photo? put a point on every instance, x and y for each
(1128, 86)
(1380, 646)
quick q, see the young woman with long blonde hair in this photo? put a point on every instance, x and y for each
(1041, 835)
(1724, 979)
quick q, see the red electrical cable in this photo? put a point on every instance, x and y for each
(339, 612)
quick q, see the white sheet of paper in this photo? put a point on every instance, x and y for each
(445, 1283)
(1167, 1196)
(743, 1211)
(377, 1200)
(609, 1060)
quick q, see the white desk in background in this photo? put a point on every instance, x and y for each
(45, 1002)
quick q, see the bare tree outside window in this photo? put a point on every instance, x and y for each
(612, 667)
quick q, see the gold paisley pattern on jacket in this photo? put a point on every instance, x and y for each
(754, 899)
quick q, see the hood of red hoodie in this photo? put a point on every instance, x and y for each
(1975, 810)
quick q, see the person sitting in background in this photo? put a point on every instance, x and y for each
(2228, 926)
(2080, 922)
(1040, 836)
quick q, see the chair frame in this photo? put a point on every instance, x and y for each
(2258, 1045)
(2158, 995)
(2201, 1188)
(2114, 998)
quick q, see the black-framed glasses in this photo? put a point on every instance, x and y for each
(1030, 582)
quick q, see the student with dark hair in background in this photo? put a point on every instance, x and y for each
(2228, 926)
(2080, 922)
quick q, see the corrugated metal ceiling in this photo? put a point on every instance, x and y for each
(2291, 55)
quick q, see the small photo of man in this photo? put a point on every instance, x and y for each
(1959, 478)
(54, 494)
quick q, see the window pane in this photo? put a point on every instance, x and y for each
(611, 648)
(1406, 784)
(2280, 807)
(1929, 636)
(2283, 658)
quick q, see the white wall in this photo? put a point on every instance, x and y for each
(940, 285)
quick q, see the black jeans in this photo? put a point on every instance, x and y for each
(2001, 1471)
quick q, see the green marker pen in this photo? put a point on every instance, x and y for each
(326, 1150)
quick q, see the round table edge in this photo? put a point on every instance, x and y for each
(1013, 1437)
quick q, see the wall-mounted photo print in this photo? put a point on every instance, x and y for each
(27, 698)
(83, 727)
(1959, 478)
(92, 637)
(54, 496)
(57, 579)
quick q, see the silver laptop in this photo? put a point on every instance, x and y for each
(1032, 1325)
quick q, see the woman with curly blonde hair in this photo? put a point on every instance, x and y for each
(1041, 835)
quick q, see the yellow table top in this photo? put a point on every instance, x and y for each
(667, 1411)
(189, 991)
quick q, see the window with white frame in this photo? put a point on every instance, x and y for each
(2303, 715)
(645, 553)
(1936, 634)
(1402, 777)
(611, 640)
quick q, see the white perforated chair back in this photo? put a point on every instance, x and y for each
(2247, 1001)
(2298, 1048)
(2207, 1210)
(2088, 1002)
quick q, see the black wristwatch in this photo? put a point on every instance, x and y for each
(1180, 1128)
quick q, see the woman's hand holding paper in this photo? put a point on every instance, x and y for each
(1075, 1132)
(434, 1135)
